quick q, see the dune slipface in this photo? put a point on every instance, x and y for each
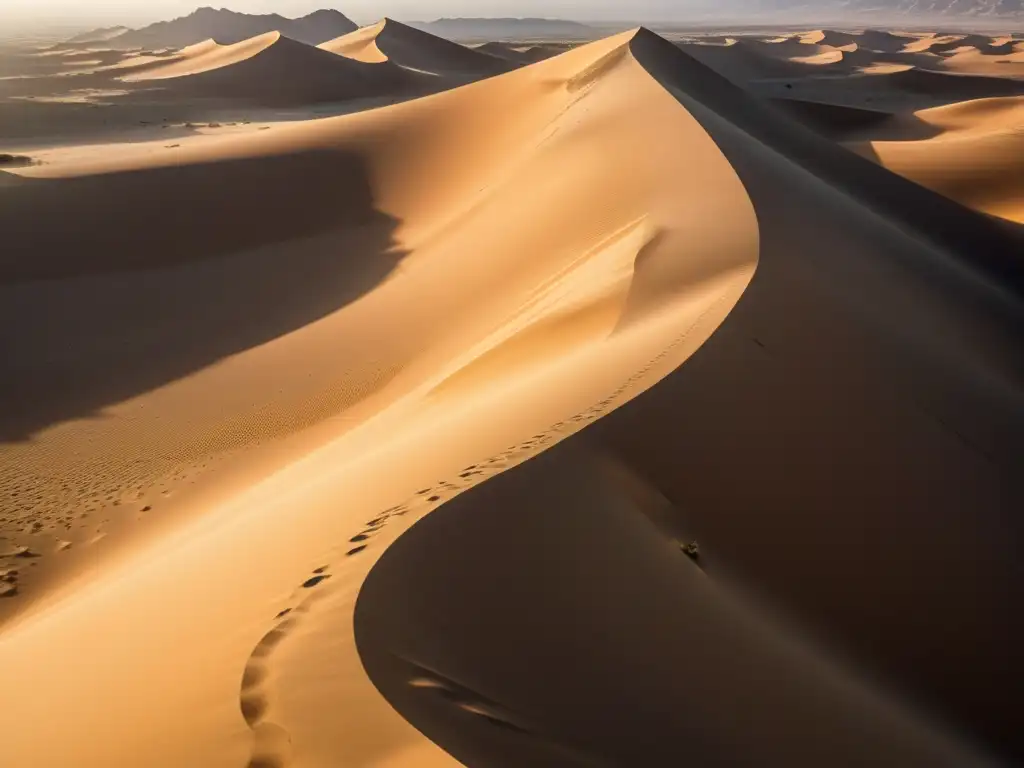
(270, 69)
(593, 411)
(416, 50)
(576, 555)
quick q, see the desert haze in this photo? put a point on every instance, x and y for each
(393, 396)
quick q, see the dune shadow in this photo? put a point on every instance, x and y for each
(843, 123)
(843, 446)
(546, 595)
(112, 285)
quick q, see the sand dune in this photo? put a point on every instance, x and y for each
(414, 49)
(600, 413)
(455, 293)
(1003, 63)
(612, 504)
(976, 156)
(828, 37)
(518, 54)
(841, 122)
(271, 69)
(741, 62)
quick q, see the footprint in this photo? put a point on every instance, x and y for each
(314, 581)
(253, 706)
(355, 550)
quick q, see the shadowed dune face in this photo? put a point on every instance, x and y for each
(98, 310)
(72, 94)
(506, 627)
(974, 155)
(272, 70)
(847, 461)
(414, 49)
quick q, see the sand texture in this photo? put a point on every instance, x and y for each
(398, 403)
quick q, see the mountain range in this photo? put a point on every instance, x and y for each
(227, 27)
(1001, 9)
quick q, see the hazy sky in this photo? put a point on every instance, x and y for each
(39, 12)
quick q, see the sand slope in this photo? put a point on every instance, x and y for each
(270, 69)
(575, 555)
(411, 48)
(490, 276)
(976, 156)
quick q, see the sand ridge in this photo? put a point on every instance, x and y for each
(523, 423)
(612, 288)
(411, 48)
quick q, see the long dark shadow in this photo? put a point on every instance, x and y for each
(113, 285)
(846, 447)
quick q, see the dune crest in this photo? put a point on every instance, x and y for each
(273, 69)
(406, 46)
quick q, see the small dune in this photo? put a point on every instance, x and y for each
(976, 155)
(271, 69)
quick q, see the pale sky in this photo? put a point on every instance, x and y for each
(133, 12)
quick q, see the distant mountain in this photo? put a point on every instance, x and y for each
(993, 8)
(101, 35)
(227, 27)
(921, 9)
(486, 30)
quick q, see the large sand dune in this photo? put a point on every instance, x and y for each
(414, 49)
(597, 520)
(271, 69)
(509, 289)
(600, 412)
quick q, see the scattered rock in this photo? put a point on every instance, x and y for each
(691, 550)
(213, 125)
(13, 161)
(8, 590)
(22, 552)
(63, 546)
(147, 508)
(9, 575)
